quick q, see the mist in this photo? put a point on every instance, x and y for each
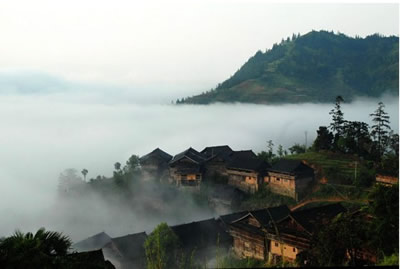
(42, 135)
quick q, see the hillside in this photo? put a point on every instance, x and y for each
(315, 67)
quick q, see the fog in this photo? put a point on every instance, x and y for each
(42, 135)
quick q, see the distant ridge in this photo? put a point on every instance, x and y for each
(315, 67)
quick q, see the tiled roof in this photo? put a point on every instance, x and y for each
(94, 242)
(190, 153)
(248, 163)
(200, 234)
(291, 167)
(130, 246)
(311, 218)
(222, 151)
(157, 153)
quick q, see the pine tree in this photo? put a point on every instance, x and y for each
(380, 130)
(337, 117)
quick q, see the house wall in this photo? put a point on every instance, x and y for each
(303, 187)
(154, 169)
(288, 185)
(214, 167)
(246, 181)
(246, 245)
(281, 184)
(289, 252)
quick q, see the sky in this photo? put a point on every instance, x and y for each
(168, 48)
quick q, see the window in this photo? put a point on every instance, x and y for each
(183, 177)
(278, 179)
(276, 244)
(294, 249)
(197, 176)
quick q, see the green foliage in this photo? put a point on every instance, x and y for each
(297, 149)
(265, 198)
(162, 247)
(324, 139)
(345, 235)
(230, 261)
(380, 129)
(44, 249)
(392, 260)
(385, 209)
(337, 117)
(315, 67)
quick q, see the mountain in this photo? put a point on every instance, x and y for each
(315, 67)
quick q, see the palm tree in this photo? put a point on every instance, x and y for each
(40, 250)
(84, 173)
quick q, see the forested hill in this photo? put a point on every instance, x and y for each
(315, 67)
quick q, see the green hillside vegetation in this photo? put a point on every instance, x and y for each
(315, 67)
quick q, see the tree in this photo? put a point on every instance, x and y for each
(132, 164)
(40, 250)
(280, 151)
(356, 138)
(270, 147)
(323, 140)
(337, 117)
(381, 128)
(117, 166)
(297, 149)
(385, 209)
(161, 248)
(69, 181)
(84, 173)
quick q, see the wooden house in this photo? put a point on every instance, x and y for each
(186, 168)
(387, 180)
(155, 165)
(127, 251)
(202, 238)
(94, 242)
(216, 159)
(88, 259)
(290, 177)
(292, 234)
(246, 171)
(249, 231)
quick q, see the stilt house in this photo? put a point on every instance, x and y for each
(155, 164)
(290, 177)
(249, 231)
(186, 168)
(246, 171)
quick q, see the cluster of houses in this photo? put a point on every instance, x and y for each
(241, 169)
(272, 235)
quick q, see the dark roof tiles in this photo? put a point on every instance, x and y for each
(290, 166)
(158, 153)
(94, 242)
(191, 154)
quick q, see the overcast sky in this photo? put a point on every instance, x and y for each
(180, 46)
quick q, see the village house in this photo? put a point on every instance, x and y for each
(387, 180)
(246, 171)
(292, 234)
(249, 231)
(290, 178)
(216, 159)
(202, 238)
(88, 259)
(127, 251)
(155, 165)
(96, 241)
(186, 168)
